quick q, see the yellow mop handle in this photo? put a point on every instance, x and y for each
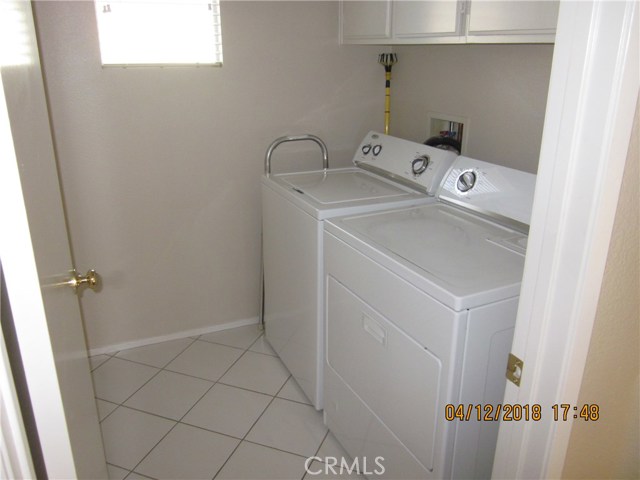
(387, 60)
(387, 102)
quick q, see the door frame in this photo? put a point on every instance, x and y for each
(591, 103)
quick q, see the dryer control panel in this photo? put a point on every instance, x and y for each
(412, 164)
(501, 193)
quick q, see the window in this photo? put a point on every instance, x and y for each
(159, 32)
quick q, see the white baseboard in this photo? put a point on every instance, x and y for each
(111, 349)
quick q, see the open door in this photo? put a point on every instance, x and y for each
(36, 262)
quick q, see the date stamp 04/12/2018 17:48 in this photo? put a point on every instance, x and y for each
(561, 412)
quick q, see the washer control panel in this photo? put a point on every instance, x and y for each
(413, 164)
(419, 165)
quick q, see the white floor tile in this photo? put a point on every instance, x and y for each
(290, 426)
(256, 462)
(262, 346)
(116, 473)
(117, 379)
(205, 360)
(258, 372)
(129, 435)
(240, 337)
(158, 354)
(228, 410)
(97, 360)
(104, 408)
(137, 476)
(188, 452)
(169, 394)
(292, 391)
(331, 448)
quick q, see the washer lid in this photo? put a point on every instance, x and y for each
(339, 186)
(465, 260)
(340, 192)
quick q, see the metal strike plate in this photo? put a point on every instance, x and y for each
(514, 369)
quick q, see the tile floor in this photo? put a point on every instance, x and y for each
(220, 405)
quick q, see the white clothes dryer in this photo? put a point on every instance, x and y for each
(388, 172)
(421, 306)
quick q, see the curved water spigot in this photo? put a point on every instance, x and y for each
(295, 138)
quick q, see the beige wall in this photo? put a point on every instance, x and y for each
(161, 167)
(610, 447)
(501, 89)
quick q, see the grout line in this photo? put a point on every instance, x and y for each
(221, 344)
(139, 474)
(141, 386)
(117, 466)
(193, 340)
(243, 438)
(227, 345)
(150, 413)
(103, 363)
(155, 366)
(275, 448)
(262, 393)
(156, 444)
(108, 414)
(322, 443)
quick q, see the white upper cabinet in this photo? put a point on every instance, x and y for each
(365, 21)
(512, 21)
(448, 21)
(415, 21)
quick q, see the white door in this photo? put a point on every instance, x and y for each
(36, 260)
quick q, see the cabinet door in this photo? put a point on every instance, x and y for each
(365, 21)
(426, 19)
(512, 21)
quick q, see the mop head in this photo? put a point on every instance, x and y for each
(388, 60)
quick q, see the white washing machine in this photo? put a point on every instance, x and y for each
(421, 306)
(388, 172)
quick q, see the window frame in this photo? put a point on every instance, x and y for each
(131, 26)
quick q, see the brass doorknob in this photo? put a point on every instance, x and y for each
(91, 280)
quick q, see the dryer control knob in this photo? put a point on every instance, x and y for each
(419, 165)
(466, 181)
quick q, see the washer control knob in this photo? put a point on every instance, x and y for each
(466, 181)
(376, 150)
(366, 148)
(419, 165)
